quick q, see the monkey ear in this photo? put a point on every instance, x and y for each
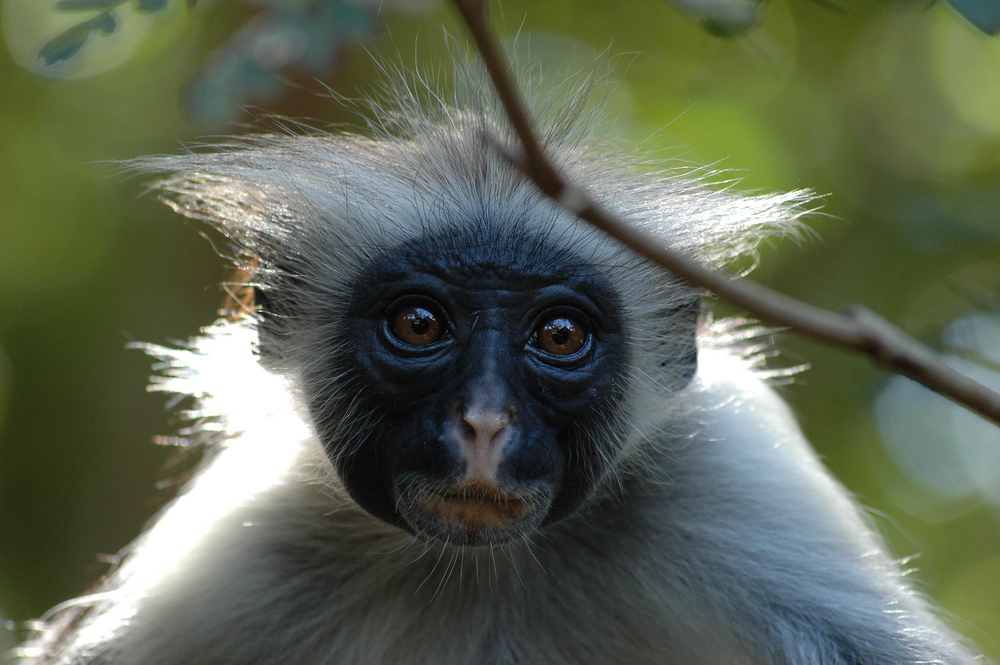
(681, 353)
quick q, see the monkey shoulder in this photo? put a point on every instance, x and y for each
(744, 521)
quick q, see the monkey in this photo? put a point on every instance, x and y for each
(457, 425)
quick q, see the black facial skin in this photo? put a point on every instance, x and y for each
(493, 295)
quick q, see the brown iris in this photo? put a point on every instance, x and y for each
(560, 336)
(416, 325)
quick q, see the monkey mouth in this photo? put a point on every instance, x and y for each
(477, 506)
(473, 514)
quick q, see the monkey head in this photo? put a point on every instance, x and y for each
(467, 351)
(473, 384)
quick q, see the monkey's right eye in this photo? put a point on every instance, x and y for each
(417, 325)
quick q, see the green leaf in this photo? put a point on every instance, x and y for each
(86, 5)
(722, 18)
(150, 6)
(65, 45)
(105, 23)
(69, 42)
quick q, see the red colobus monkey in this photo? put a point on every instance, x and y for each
(463, 427)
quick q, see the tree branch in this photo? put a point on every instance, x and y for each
(857, 329)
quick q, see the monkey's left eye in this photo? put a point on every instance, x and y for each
(417, 325)
(560, 335)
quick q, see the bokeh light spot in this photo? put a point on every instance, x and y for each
(938, 444)
(56, 44)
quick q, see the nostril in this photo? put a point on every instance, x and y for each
(485, 423)
(468, 430)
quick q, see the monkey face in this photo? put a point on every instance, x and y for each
(474, 387)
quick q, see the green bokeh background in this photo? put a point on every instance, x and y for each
(891, 109)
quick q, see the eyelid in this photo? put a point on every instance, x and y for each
(570, 311)
(417, 300)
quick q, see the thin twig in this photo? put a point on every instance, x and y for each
(857, 329)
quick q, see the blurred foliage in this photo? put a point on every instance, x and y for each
(74, 38)
(891, 109)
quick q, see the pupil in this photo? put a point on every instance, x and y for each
(560, 334)
(419, 323)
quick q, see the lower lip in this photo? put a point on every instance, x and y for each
(477, 513)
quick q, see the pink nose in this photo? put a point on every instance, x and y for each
(485, 422)
(484, 433)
